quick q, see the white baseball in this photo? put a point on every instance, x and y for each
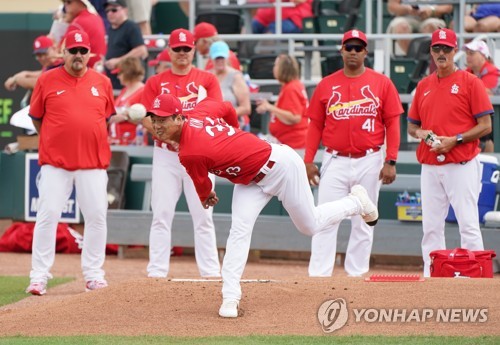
(136, 112)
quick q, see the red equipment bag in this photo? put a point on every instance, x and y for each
(460, 262)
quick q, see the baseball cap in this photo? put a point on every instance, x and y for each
(181, 38)
(121, 3)
(445, 37)
(355, 34)
(204, 30)
(479, 46)
(162, 56)
(219, 49)
(165, 105)
(77, 38)
(41, 44)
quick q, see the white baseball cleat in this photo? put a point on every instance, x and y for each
(37, 288)
(92, 285)
(369, 212)
(229, 308)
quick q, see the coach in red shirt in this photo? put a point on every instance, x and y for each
(69, 107)
(455, 106)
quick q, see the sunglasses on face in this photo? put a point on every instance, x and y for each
(440, 47)
(76, 50)
(184, 49)
(356, 47)
(114, 10)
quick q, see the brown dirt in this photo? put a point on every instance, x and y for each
(135, 305)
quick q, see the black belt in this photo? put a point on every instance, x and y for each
(353, 155)
(262, 174)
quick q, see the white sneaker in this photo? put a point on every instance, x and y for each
(37, 288)
(229, 308)
(92, 285)
(369, 212)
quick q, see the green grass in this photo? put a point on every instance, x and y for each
(12, 288)
(274, 340)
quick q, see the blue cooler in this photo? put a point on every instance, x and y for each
(487, 196)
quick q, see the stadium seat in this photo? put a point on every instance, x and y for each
(407, 71)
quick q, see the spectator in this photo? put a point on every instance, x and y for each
(122, 129)
(260, 171)
(185, 82)
(455, 106)
(80, 17)
(264, 19)
(162, 62)
(124, 39)
(354, 112)
(46, 54)
(479, 63)
(233, 86)
(69, 108)
(140, 13)
(412, 19)
(288, 122)
(205, 34)
(483, 18)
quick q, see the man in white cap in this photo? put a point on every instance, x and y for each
(478, 59)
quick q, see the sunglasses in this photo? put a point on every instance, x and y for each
(440, 47)
(114, 10)
(356, 47)
(76, 50)
(184, 49)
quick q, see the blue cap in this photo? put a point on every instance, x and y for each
(219, 49)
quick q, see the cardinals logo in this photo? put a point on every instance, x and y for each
(366, 106)
(333, 315)
(189, 101)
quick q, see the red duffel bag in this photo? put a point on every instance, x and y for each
(460, 262)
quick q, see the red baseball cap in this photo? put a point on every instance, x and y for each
(204, 30)
(162, 56)
(41, 44)
(181, 38)
(355, 34)
(77, 38)
(445, 37)
(165, 105)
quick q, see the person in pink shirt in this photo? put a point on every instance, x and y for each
(264, 19)
(289, 121)
(259, 171)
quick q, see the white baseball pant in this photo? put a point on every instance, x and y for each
(338, 175)
(54, 188)
(460, 185)
(169, 178)
(287, 180)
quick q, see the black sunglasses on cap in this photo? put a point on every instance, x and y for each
(76, 50)
(446, 49)
(184, 49)
(358, 48)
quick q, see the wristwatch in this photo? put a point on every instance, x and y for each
(391, 162)
(460, 139)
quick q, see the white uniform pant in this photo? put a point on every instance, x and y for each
(54, 187)
(460, 185)
(338, 175)
(287, 180)
(169, 178)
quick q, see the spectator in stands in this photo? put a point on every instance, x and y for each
(483, 18)
(288, 123)
(122, 129)
(264, 19)
(205, 34)
(162, 62)
(479, 63)
(355, 113)
(233, 86)
(124, 38)
(413, 19)
(46, 54)
(82, 16)
(140, 13)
